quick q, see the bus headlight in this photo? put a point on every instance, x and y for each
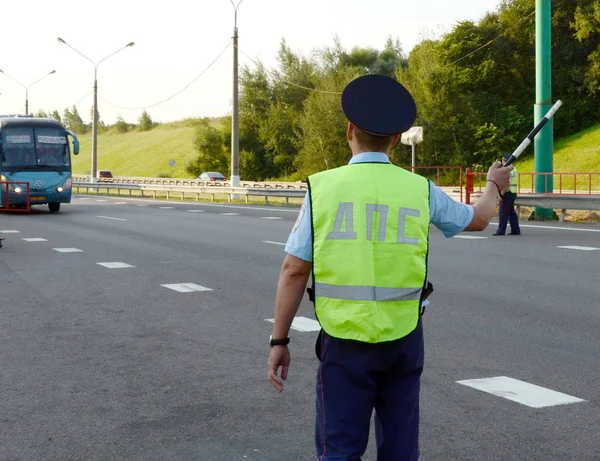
(66, 185)
(18, 190)
(3, 178)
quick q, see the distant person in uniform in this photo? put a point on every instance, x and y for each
(507, 203)
(363, 232)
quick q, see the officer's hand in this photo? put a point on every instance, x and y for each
(279, 357)
(500, 175)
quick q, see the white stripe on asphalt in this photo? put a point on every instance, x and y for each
(578, 229)
(141, 205)
(574, 247)
(166, 207)
(302, 324)
(112, 219)
(186, 287)
(273, 243)
(68, 250)
(271, 217)
(229, 214)
(115, 265)
(119, 203)
(10, 232)
(35, 239)
(520, 392)
(469, 237)
(196, 211)
(102, 200)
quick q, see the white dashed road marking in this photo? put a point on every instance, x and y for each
(112, 219)
(166, 207)
(470, 237)
(101, 200)
(119, 203)
(115, 265)
(303, 324)
(195, 211)
(186, 287)
(271, 217)
(229, 214)
(68, 250)
(140, 205)
(10, 232)
(580, 248)
(273, 243)
(35, 239)
(520, 392)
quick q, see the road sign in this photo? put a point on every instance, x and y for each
(172, 163)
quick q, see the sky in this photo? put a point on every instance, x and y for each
(176, 40)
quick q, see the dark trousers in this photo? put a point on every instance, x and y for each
(508, 213)
(353, 379)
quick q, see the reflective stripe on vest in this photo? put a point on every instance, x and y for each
(514, 178)
(370, 241)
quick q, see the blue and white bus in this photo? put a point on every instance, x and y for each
(35, 151)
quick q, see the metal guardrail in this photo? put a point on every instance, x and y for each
(189, 182)
(560, 202)
(146, 190)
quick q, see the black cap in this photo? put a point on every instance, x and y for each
(379, 105)
(505, 155)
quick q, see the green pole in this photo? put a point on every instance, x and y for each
(544, 144)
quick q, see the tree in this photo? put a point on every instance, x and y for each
(121, 125)
(73, 121)
(41, 113)
(146, 122)
(56, 116)
(211, 153)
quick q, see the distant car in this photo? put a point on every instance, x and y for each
(104, 176)
(211, 176)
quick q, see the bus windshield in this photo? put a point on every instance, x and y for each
(39, 148)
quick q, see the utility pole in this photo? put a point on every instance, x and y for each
(235, 116)
(544, 142)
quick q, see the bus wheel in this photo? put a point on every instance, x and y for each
(54, 207)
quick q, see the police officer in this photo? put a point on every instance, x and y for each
(507, 203)
(363, 232)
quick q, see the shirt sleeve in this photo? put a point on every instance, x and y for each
(449, 216)
(299, 242)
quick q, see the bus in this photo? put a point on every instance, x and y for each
(35, 151)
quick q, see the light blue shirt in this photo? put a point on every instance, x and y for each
(449, 216)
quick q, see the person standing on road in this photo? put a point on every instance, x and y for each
(363, 232)
(507, 204)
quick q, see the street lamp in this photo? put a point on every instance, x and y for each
(235, 119)
(27, 87)
(95, 108)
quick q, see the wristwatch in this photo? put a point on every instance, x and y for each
(278, 342)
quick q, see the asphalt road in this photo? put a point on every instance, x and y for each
(103, 363)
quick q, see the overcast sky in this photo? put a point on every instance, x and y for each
(176, 40)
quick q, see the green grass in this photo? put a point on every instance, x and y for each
(573, 154)
(137, 153)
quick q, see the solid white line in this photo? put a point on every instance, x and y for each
(469, 237)
(273, 243)
(302, 324)
(520, 392)
(185, 287)
(35, 239)
(112, 219)
(574, 247)
(68, 250)
(271, 217)
(10, 232)
(115, 265)
(578, 229)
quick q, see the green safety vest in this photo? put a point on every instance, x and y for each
(514, 179)
(370, 241)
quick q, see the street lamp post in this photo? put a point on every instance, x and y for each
(95, 107)
(235, 118)
(26, 87)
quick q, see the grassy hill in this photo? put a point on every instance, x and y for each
(574, 154)
(137, 153)
(147, 153)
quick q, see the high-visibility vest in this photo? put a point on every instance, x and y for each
(370, 226)
(514, 181)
